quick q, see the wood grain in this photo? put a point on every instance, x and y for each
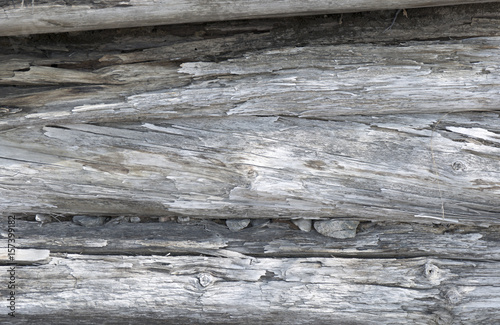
(182, 123)
(314, 82)
(175, 71)
(320, 117)
(197, 289)
(375, 168)
(61, 16)
(392, 273)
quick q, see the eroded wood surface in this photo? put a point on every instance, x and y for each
(238, 69)
(20, 17)
(275, 239)
(402, 168)
(256, 120)
(197, 289)
(313, 82)
(201, 273)
(275, 119)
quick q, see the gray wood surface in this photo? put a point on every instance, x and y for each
(202, 273)
(242, 290)
(402, 168)
(275, 239)
(166, 72)
(319, 130)
(314, 82)
(38, 16)
(330, 116)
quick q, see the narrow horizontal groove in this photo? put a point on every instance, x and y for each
(26, 161)
(376, 256)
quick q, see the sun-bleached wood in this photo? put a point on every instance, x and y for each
(404, 168)
(237, 67)
(277, 119)
(268, 149)
(25, 17)
(314, 82)
(24, 256)
(390, 273)
(242, 289)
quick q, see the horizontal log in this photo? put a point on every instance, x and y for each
(242, 278)
(313, 82)
(217, 290)
(110, 76)
(407, 168)
(275, 239)
(24, 17)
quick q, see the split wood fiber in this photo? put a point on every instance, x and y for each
(21, 17)
(321, 117)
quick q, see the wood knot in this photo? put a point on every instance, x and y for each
(459, 166)
(205, 279)
(453, 296)
(432, 273)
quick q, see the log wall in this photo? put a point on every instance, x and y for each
(157, 135)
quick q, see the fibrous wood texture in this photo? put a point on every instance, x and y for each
(259, 167)
(22, 17)
(433, 275)
(317, 130)
(218, 290)
(275, 239)
(319, 117)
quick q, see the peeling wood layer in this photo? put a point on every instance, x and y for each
(177, 123)
(404, 168)
(22, 17)
(314, 82)
(244, 277)
(260, 290)
(86, 70)
(265, 120)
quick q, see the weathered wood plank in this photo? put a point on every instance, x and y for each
(234, 175)
(95, 127)
(378, 240)
(114, 76)
(313, 82)
(237, 290)
(21, 17)
(405, 168)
